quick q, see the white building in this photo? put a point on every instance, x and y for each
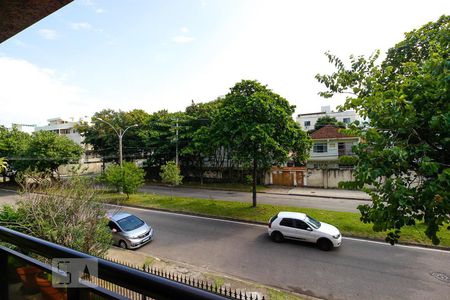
(328, 145)
(63, 127)
(307, 121)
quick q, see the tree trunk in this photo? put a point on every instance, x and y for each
(254, 181)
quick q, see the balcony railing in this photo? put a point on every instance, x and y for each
(22, 274)
(348, 152)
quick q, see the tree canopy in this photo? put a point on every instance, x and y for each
(43, 150)
(256, 125)
(326, 120)
(104, 139)
(406, 151)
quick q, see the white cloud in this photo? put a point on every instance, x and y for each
(80, 25)
(48, 34)
(31, 94)
(182, 39)
(184, 29)
(93, 5)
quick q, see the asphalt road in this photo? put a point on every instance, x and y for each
(8, 197)
(358, 270)
(266, 198)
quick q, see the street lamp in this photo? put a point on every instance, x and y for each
(120, 135)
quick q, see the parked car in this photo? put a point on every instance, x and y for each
(299, 226)
(128, 231)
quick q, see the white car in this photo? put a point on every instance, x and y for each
(299, 226)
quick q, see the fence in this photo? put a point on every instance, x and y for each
(239, 294)
(142, 283)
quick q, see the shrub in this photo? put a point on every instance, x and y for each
(66, 213)
(348, 160)
(171, 174)
(128, 178)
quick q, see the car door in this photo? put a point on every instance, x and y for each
(116, 236)
(303, 231)
(287, 228)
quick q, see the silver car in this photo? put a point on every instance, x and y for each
(128, 231)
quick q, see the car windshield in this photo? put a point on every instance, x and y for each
(130, 223)
(313, 222)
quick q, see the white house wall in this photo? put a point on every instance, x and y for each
(312, 118)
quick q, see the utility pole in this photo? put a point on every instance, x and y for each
(120, 135)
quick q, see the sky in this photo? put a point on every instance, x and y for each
(154, 55)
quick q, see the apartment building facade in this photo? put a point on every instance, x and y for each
(307, 121)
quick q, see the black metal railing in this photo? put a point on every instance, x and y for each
(220, 289)
(34, 276)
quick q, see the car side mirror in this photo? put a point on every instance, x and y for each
(113, 230)
(309, 229)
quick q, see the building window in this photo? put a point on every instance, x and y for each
(64, 131)
(320, 147)
(346, 120)
(307, 123)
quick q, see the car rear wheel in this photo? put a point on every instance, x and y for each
(277, 237)
(324, 244)
(123, 245)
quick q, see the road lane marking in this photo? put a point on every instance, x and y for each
(265, 226)
(189, 216)
(397, 245)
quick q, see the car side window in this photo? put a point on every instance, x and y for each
(301, 225)
(287, 222)
(113, 225)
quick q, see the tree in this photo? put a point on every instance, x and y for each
(163, 137)
(171, 173)
(3, 164)
(13, 144)
(104, 139)
(66, 213)
(47, 151)
(128, 178)
(256, 124)
(197, 144)
(325, 120)
(43, 150)
(406, 151)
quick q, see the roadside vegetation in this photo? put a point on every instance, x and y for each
(67, 213)
(404, 100)
(127, 178)
(348, 223)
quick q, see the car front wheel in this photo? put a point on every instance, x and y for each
(277, 237)
(123, 245)
(324, 244)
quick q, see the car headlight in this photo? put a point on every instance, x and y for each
(337, 236)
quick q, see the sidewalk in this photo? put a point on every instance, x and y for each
(318, 192)
(201, 275)
(283, 190)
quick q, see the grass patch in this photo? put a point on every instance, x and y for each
(149, 261)
(279, 295)
(216, 280)
(348, 223)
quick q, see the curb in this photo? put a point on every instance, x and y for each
(444, 248)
